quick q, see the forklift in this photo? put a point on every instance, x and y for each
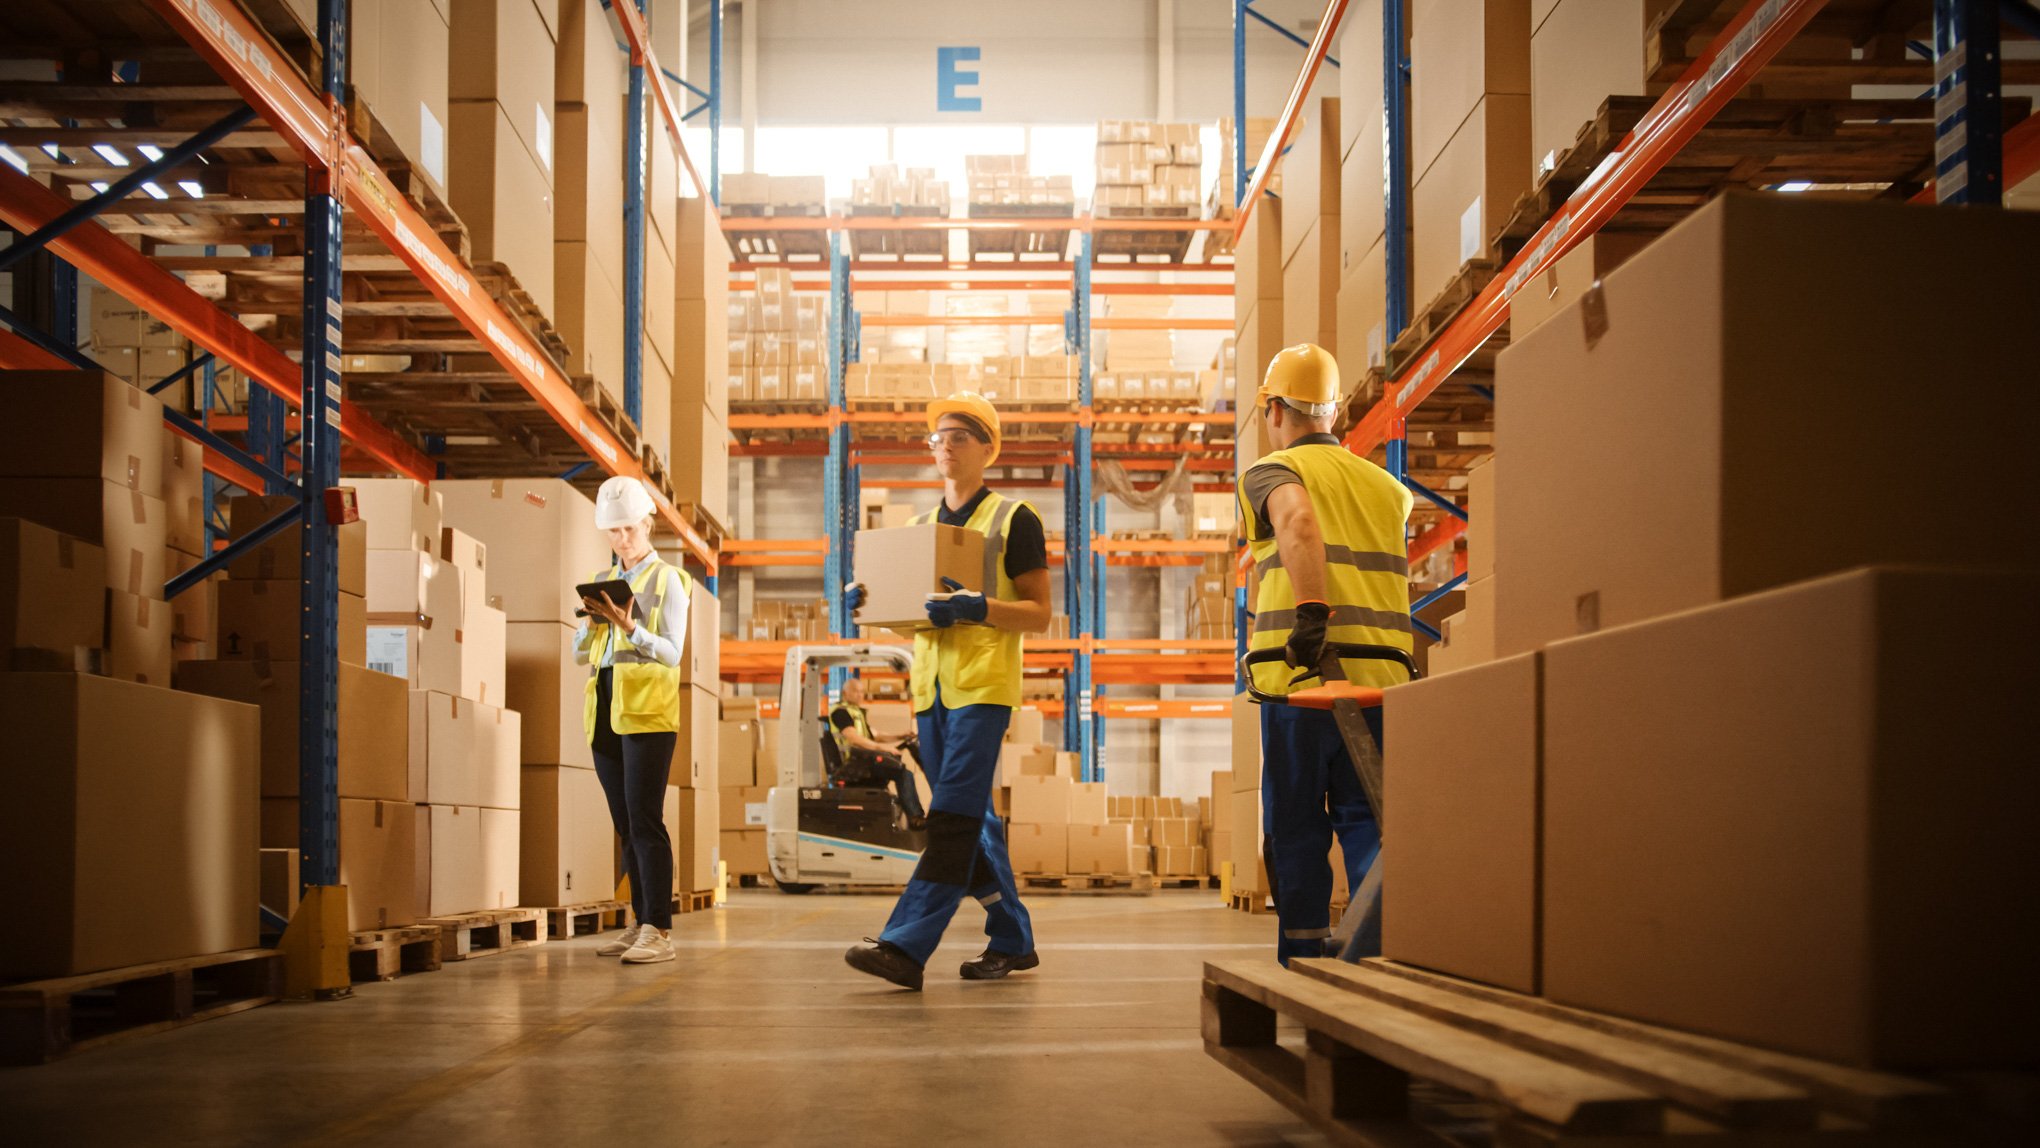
(823, 828)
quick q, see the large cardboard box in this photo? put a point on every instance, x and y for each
(901, 566)
(50, 595)
(116, 787)
(1039, 800)
(588, 310)
(378, 856)
(547, 524)
(450, 861)
(138, 638)
(589, 182)
(1468, 193)
(263, 620)
(1460, 52)
(547, 688)
(1310, 179)
(398, 60)
(1465, 792)
(128, 527)
(1360, 123)
(701, 660)
(1361, 319)
(1855, 772)
(1310, 287)
(398, 514)
(502, 52)
(736, 763)
(696, 834)
(374, 744)
(744, 851)
(281, 558)
(502, 841)
(585, 54)
(1480, 520)
(570, 843)
(481, 641)
(462, 752)
(88, 425)
(1583, 52)
(1257, 260)
(502, 193)
(183, 493)
(1570, 277)
(694, 752)
(1102, 849)
(1672, 418)
(701, 364)
(1037, 848)
(700, 461)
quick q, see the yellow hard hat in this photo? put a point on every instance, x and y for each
(974, 407)
(1306, 375)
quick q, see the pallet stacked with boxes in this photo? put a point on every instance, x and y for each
(698, 464)
(1169, 835)
(1725, 677)
(778, 343)
(588, 240)
(1058, 826)
(500, 98)
(139, 349)
(92, 723)
(1148, 169)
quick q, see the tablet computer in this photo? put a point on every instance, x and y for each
(615, 589)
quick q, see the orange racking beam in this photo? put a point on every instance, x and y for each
(946, 223)
(640, 40)
(2021, 158)
(1436, 538)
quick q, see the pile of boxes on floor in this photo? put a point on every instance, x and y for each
(1236, 837)
(1148, 168)
(747, 765)
(778, 342)
(1722, 677)
(1058, 826)
(1171, 837)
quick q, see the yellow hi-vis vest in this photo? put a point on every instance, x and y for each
(976, 664)
(859, 720)
(644, 693)
(1361, 510)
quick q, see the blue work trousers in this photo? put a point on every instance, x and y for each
(966, 851)
(1309, 791)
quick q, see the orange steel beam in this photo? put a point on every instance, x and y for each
(1292, 114)
(945, 223)
(1436, 538)
(1106, 545)
(1054, 320)
(763, 545)
(728, 561)
(2021, 145)
(640, 40)
(1159, 323)
(1150, 708)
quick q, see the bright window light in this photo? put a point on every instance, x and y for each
(99, 186)
(154, 191)
(1796, 186)
(837, 154)
(943, 146)
(110, 154)
(1065, 149)
(50, 150)
(192, 188)
(151, 151)
(13, 157)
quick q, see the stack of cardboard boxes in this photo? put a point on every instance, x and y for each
(1148, 169)
(697, 440)
(1220, 204)
(890, 344)
(783, 194)
(588, 243)
(399, 59)
(1311, 231)
(1056, 825)
(912, 191)
(1170, 835)
(1002, 181)
(746, 771)
(138, 348)
(1723, 679)
(778, 343)
(777, 620)
(500, 136)
(1208, 606)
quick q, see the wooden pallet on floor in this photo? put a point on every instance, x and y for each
(1536, 1072)
(1186, 881)
(565, 921)
(41, 1021)
(465, 936)
(1255, 903)
(1114, 883)
(696, 902)
(386, 954)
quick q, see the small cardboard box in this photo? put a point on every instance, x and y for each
(737, 753)
(1043, 800)
(1102, 849)
(50, 596)
(743, 850)
(901, 566)
(1087, 803)
(1037, 848)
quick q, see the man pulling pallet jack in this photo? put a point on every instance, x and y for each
(1325, 529)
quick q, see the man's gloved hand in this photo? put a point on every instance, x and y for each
(961, 605)
(1306, 646)
(853, 598)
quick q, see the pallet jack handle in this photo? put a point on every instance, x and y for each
(1331, 672)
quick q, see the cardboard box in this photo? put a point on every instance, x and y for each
(701, 660)
(88, 426)
(1249, 861)
(1043, 800)
(1179, 861)
(502, 839)
(501, 192)
(1705, 417)
(397, 514)
(450, 861)
(1480, 520)
(281, 558)
(137, 638)
(1469, 192)
(1465, 788)
(1246, 745)
(737, 754)
(1038, 848)
(694, 755)
(1025, 728)
(1361, 319)
(50, 595)
(1582, 52)
(1858, 782)
(1569, 278)
(588, 310)
(548, 690)
(399, 61)
(74, 847)
(700, 468)
(264, 620)
(585, 55)
(547, 524)
(183, 493)
(695, 832)
(1087, 803)
(1310, 286)
(1310, 178)
(744, 851)
(462, 752)
(128, 527)
(374, 742)
(1102, 849)
(119, 323)
(378, 856)
(900, 567)
(503, 53)
(407, 587)
(1461, 52)
(588, 180)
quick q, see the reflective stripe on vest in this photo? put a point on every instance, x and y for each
(644, 694)
(974, 664)
(1361, 511)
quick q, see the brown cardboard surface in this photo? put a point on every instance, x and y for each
(737, 754)
(900, 567)
(699, 465)
(1465, 791)
(481, 641)
(1310, 179)
(701, 368)
(469, 559)
(1041, 800)
(502, 837)
(588, 310)
(453, 759)
(1468, 193)
(1569, 278)
(194, 614)
(585, 55)
(398, 60)
(503, 53)
(588, 182)
(1310, 287)
(279, 558)
(450, 861)
(138, 639)
(548, 689)
(496, 762)
(378, 860)
(695, 834)
(397, 514)
(1480, 520)
(280, 881)
(129, 527)
(1361, 318)
(1087, 803)
(1701, 326)
(1257, 273)
(662, 196)
(694, 752)
(502, 193)
(374, 733)
(1360, 89)
(1025, 727)
(1854, 771)
(1461, 51)
(548, 524)
(701, 661)
(183, 493)
(744, 851)
(1101, 849)
(655, 392)
(132, 788)
(1037, 848)
(263, 620)
(1250, 869)
(50, 595)
(1583, 52)
(411, 586)
(659, 299)
(89, 425)
(1246, 745)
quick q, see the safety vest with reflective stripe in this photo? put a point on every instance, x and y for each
(644, 693)
(1361, 511)
(975, 664)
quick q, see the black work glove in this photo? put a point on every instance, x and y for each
(1306, 646)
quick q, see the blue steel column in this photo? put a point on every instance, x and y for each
(715, 100)
(836, 564)
(1239, 101)
(1969, 154)
(319, 443)
(1084, 591)
(635, 161)
(1395, 145)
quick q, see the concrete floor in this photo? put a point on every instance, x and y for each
(758, 1034)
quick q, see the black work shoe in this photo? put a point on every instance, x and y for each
(990, 965)
(885, 960)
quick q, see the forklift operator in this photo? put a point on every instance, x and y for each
(865, 754)
(966, 685)
(1326, 532)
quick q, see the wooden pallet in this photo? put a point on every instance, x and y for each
(694, 902)
(776, 246)
(1141, 247)
(1021, 245)
(1258, 904)
(41, 1021)
(386, 954)
(607, 408)
(1117, 883)
(403, 173)
(704, 523)
(904, 244)
(1432, 318)
(466, 936)
(1538, 1072)
(1186, 881)
(567, 921)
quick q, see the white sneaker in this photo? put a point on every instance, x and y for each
(652, 947)
(623, 942)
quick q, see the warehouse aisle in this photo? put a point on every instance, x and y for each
(758, 1034)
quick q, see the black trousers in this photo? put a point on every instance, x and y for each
(633, 768)
(884, 767)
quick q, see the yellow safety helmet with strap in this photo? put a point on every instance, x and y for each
(1306, 376)
(972, 406)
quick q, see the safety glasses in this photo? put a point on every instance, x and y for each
(953, 439)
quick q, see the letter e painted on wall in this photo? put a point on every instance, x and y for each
(948, 78)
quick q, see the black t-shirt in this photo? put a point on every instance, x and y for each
(1026, 541)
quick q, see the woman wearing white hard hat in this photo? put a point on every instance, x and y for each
(632, 707)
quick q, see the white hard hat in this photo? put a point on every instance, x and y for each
(622, 501)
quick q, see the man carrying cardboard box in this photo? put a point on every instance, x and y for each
(966, 685)
(1326, 530)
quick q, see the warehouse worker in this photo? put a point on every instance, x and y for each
(1325, 528)
(632, 707)
(866, 754)
(966, 685)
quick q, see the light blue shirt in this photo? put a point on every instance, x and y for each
(665, 645)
